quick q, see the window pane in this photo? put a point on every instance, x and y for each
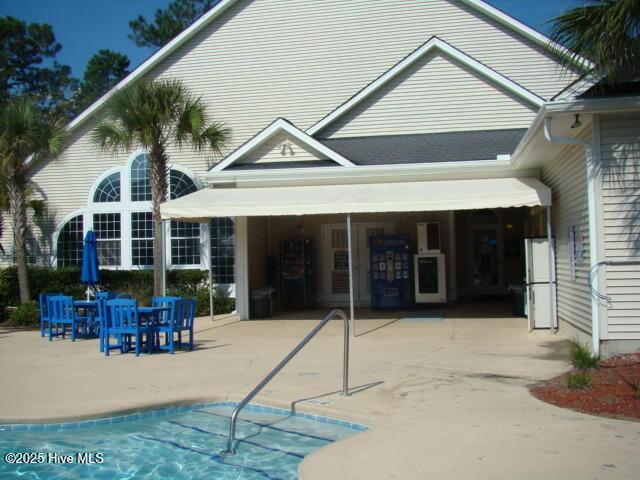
(69, 245)
(107, 229)
(185, 243)
(180, 184)
(109, 189)
(142, 238)
(223, 250)
(140, 184)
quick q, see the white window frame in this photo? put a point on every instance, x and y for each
(125, 207)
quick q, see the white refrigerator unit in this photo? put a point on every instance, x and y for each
(540, 300)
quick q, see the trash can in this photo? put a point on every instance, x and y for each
(517, 299)
(261, 302)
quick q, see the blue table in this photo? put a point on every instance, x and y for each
(89, 307)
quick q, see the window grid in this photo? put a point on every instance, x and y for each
(140, 179)
(142, 238)
(69, 244)
(180, 184)
(108, 190)
(108, 232)
(223, 250)
(185, 243)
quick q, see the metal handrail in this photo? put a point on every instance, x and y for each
(345, 373)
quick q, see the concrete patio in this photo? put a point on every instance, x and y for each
(444, 397)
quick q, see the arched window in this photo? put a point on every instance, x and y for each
(180, 184)
(140, 184)
(108, 190)
(185, 236)
(69, 244)
(119, 212)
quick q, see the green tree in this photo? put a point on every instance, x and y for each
(153, 114)
(23, 49)
(27, 136)
(104, 70)
(167, 23)
(606, 32)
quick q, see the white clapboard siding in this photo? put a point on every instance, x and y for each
(300, 60)
(620, 154)
(567, 178)
(435, 94)
(282, 147)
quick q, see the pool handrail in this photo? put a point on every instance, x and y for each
(230, 450)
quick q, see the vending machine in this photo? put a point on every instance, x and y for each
(297, 273)
(391, 279)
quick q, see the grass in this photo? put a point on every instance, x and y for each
(578, 380)
(581, 357)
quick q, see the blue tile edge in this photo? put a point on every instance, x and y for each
(166, 412)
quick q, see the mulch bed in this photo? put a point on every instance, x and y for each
(614, 389)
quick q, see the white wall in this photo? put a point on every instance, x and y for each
(620, 157)
(566, 175)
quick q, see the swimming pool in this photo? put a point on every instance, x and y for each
(175, 443)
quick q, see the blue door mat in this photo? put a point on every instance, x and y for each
(423, 316)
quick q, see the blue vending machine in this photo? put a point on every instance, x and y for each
(391, 271)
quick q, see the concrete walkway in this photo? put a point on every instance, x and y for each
(445, 398)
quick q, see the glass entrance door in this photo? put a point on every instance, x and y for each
(485, 258)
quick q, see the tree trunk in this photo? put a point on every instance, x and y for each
(158, 177)
(18, 209)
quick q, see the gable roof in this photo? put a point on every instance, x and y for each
(224, 5)
(433, 44)
(280, 125)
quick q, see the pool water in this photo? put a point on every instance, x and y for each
(271, 445)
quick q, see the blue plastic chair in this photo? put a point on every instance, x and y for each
(43, 300)
(103, 313)
(123, 322)
(63, 315)
(181, 318)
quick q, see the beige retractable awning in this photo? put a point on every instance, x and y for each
(359, 198)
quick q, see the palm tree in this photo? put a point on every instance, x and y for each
(153, 114)
(606, 32)
(27, 136)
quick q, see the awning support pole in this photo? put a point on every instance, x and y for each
(351, 312)
(164, 258)
(552, 300)
(210, 276)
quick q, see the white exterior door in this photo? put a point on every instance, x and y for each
(335, 261)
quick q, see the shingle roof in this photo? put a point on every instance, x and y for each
(275, 165)
(427, 147)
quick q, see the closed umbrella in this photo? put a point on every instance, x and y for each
(90, 274)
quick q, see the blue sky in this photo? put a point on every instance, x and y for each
(85, 26)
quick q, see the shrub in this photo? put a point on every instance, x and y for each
(578, 380)
(26, 315)
(581, 357)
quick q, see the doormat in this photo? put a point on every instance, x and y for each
(423, 316)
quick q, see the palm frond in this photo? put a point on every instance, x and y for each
(111, 137)
(607, 32)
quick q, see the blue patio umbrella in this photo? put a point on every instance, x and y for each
(90, 274)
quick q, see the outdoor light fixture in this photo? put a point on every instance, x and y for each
(576, 122)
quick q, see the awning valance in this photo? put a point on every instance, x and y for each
(359, 198)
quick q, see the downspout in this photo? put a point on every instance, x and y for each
(593, 231)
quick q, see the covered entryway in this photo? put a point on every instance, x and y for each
(342, 218)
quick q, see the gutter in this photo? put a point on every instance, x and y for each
(594, 259)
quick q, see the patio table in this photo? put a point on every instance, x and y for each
(152, 314)
(89, 307)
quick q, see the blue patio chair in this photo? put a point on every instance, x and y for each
(63, 315)
(43, 300)
(181, 317)
(101, 318)
(123, 321)
(124, 296)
